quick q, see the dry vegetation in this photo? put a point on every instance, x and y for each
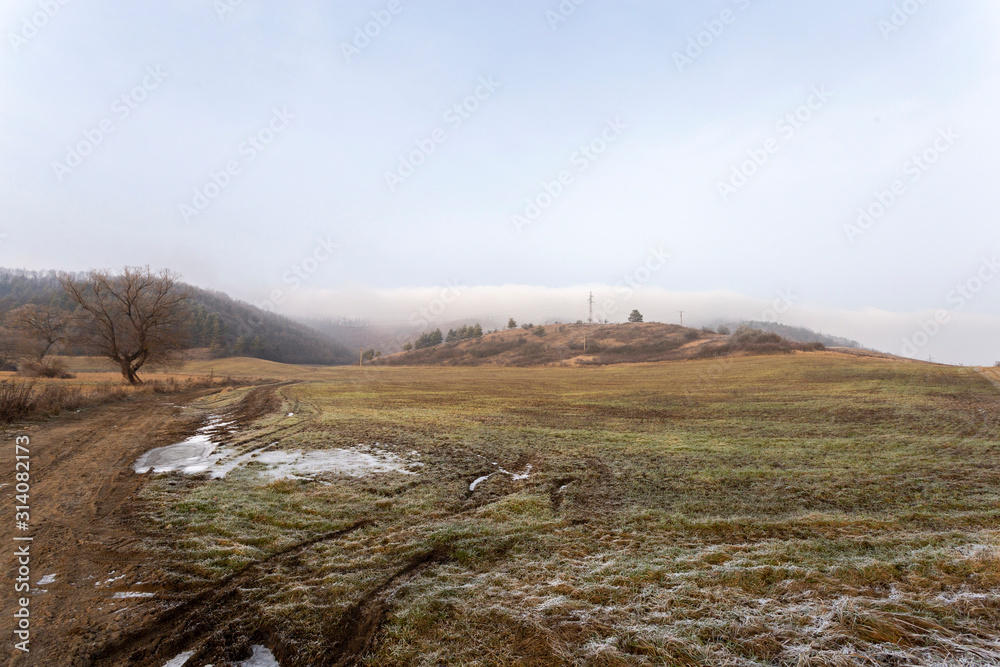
(586, 344)
(51, 393)
(786, 510)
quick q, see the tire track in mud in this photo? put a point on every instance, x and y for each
(147, 643)
(355, 633)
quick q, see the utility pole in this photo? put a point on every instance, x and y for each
(361, 357)
(682, 318)
(590, 318)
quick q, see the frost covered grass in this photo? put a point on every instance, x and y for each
(806, 510)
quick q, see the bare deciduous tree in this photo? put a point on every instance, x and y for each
(44, 326)
(133, 318)
(8, 352)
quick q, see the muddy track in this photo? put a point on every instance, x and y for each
(83, 520)
(177, 628)
(354, 635)
(82, 486)
(90, 534)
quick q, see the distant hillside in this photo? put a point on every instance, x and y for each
(595, 344)
(797, 334)
(226, 326)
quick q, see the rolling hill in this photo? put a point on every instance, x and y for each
(596, 344)
(220, 325)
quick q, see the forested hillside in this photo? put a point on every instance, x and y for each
(226, 326)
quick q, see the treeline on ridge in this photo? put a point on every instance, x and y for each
(223, 325)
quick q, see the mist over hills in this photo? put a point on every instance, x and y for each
(222, 325)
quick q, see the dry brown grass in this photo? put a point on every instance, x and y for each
(806, 509)
(33, 399)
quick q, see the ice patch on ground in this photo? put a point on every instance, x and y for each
(355, 462)
(201, 454)
(47, 579)
(475, 483)
(262, 657)
(514, 476)
(194, 455)
(111, 580)
(179, 660)
(220, 470)
(124, 595)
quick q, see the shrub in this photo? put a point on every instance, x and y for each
(723, 330)
(539, 331)
(51, 369)
(692, 334)
(17, 400)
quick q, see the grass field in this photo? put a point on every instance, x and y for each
(813, 509)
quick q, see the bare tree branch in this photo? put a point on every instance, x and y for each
(134, 318)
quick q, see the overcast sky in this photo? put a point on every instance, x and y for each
(709, 156)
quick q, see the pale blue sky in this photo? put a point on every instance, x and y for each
(656, 185)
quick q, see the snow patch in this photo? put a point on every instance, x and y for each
(475, 483)
(262, 657)
(179, 660)
(47, 579)
(124, 595)
(514, 476)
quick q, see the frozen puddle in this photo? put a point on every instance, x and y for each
(262, 657)
(355, 462)
(194, 455)
(200, 454)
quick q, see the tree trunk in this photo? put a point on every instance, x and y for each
(129, 373)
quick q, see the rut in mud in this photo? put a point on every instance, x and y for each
(197, 619)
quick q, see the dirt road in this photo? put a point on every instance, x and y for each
(96, 580)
